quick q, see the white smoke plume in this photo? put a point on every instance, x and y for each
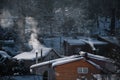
(91, 44)
(6, 19)
(32, 26)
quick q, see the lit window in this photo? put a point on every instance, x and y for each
(83, 70)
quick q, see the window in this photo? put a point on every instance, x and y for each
(83, 70)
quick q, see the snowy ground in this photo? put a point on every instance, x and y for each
(30, 77)
(36, 77)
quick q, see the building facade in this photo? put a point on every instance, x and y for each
(91, 45)
(30, 58)
(76, 67)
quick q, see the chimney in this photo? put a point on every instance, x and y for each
(84, 54)
(41, 55)
(36, 57)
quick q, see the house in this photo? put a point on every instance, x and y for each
(75, 67)
(91, 45)
(35, 56)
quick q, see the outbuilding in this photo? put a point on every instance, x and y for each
(33, 57)
(91, 45)
(74, 67)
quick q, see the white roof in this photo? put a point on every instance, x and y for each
(7, 41)
(65, 61)
(97, 57)
(111, 39)
(52, 61)
(93, 56)
(75, 42)
(72, 60)
(4, 54)
(12, 50)
(96, 65)
(32, 54)
(84, 41)
(95, 42)
(68, 59)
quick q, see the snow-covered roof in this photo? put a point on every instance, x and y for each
(68, 59)
(97, 57)
(75, 42)
(95, 42)
(7, 41)
(52, 61)
(96, 65)
(111, 39)
(84, 41)
(12, 50)
(65, 61)
(4, 54)
(32, 54)
(72, 60)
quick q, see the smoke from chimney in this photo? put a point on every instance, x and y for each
(33, 41)
(6, 19)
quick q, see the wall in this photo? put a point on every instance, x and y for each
(69, 71)
(41, 69)
(52, 55)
